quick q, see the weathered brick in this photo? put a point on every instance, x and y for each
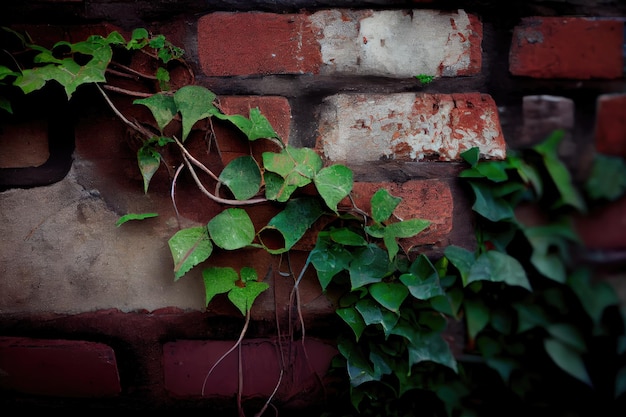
(399, 43)
(610, 133)
(567, 47)
(408, 126)
(65, 368)
(340, 41)
(422, 199)
(186, 364)
(256, 43)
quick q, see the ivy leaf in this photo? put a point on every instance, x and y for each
(550, 246)
(149, 160)
(189, 247)
(304, 162)
(244, 297)
(255, 127)
(594, 297)
(345, 236)
(462, 259)
(334, 183)
(194, 103)
(477, 316)
(383, 205)
(328, 259)
(607, 179)
(277, 188)
(559, 173)
(422, 280)
(488, 205)
(242, 176)
(389, 295)
(231, 229)
(162, 106)
(498, 267)
(431, 347)
(407, 228)
(293, 222)
(218, 280)
(369, 265)
(134, 216)
(471, 156)
(568, 359)
(353, 319)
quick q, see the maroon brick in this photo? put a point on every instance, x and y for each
(63, 368)
(604, 228)
(256, 43)
(187, 364)
(567, 47)
(610, 135)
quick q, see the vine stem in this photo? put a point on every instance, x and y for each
(235, 345)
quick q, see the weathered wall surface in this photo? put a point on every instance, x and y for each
(78, 293)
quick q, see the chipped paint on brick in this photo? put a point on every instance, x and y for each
(408, 126)
(398, 43)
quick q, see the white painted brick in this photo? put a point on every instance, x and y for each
(396, 43)
(356, 128)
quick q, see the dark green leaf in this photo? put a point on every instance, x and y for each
(499, 267)
(432, 347)
(354, 319)
(489, 206)
(568, 359)
(370, 264)
(383, 205)
(462, 259)
(389, 294)
(334, 183)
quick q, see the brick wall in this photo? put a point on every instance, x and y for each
(85, 321)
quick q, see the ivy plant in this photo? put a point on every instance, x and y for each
(540, 334)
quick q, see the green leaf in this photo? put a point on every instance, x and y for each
(255, 127)
(490, 206)
(422, 280)
(334, 183)
(471, 156)
(291, 160)
(620, 382)
(345, 236)
(244, 297)
(242, 176)
(462, 259)
(218, 280)
(494, 171)
(407, 228)
(550, 246)
(134, 216)
(353, 319)
(370, 264)
(607, 179)
(498, 267)
(189, 247)
(232, 229)
(594, 297)
(559, 172)
(431, 347)
(277, 188)
(293, 222)
(328, 259)
(383, 205)
(194, 103)
(149, 160)
(568, 334)
(389, 294)
(162, 106)
(568, 359)
(373, 314)
(477, 316)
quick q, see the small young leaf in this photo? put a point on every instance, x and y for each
(243, 297)
(218, 280)
(134, 216)
(194, 103)
(383, 205)
(149, 160)
(162, 106)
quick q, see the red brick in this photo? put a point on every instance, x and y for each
(187, 362)
(610, 135)
(567, 47)
(422, 199)
(604, 228)
(256, 43)
(277, 111)
(65, 368)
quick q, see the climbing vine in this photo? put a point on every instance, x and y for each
(541, 335)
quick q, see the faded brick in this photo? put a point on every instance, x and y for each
(357, 128)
